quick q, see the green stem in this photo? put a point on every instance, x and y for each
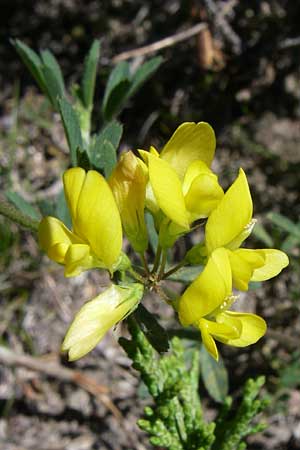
(12, 213)
(136, 275)
(157, 259)
(173, 270)
(145, 264)
(163, 265)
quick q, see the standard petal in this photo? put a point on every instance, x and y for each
(55, 238)
(73, 182)
(243, 263)
(97, 316)
(275, 261)
(230, 219)
(98, 220)
(189, 143)
(128, 183)
(253, 328)
(208, 291)
(167, 190)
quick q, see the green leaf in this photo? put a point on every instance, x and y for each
(32, 61)
(214, 375)
(71, 127)
(284, 223)
(186, 274)
(290, 243)
(62, 210)
(154, 332)
(83, 159)
(89, 74)
(116, 90)
(143, 73)
(103, 151)
(50, 61)
(260, 233)
(23, 205)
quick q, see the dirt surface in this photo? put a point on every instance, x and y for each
(244, 79)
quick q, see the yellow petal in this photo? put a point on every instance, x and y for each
(230, 219)
(73, 182)
(220, 329)
(98, 220)
(167, 190)
(275, 261)
(243, 263)
(253, 328)
(128, 183)
(208, 291)
(189, 143)
(202, 190)
(208, 341)
(97, 316)
(55, 238)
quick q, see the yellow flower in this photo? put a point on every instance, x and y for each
(181, 185)
(205, 304)
(97, 316)
(228, 225)
(96, 237)
(128, 184)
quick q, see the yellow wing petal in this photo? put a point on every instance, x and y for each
(243, 263)
(98, 219)
(231, 217)
(73, 182)
(208, 340)
(275, 261)
(253, 328)
(167, 189)
(97, 316)
(189, 143)
(208, 291)
(55, 238)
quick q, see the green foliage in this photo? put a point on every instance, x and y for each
(103, 149)
(122, 85)
(214, 375)
(71, 127)
(286, 225)
(175, 421)
(89, 75)
(23, 205)
(154, 332)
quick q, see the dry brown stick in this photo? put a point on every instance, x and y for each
(163, 43)
(52, 369)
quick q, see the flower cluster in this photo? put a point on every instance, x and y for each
(178, 187)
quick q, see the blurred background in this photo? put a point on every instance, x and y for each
(242, 75)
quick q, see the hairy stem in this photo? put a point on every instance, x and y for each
(12, 213)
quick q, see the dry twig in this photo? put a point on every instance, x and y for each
(55, 370)
(163, 43)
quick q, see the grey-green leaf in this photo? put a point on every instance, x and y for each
(103, 152)
(22, 204)
(56, 77)
(143, 73)
(186, 274)
(62, 210)
(116, 90)
(284, 223)
(89, 74)
(71, 127)
(32, 61)
(214, 375)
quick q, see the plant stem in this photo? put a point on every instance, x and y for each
(136, 275)
(12, 213)
(173, 270)
(163, 265)
(145, 264)
(157, 259)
